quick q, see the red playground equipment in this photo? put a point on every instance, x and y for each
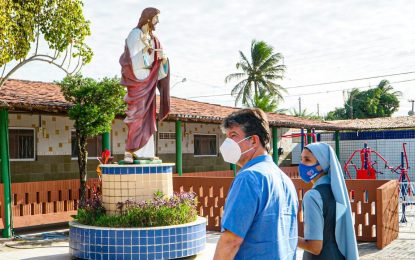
(366, 170)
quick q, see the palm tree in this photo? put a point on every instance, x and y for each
(257, 74)
(267, 103)
(303, 113)
(387, 88)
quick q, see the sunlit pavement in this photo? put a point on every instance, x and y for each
(401, 248)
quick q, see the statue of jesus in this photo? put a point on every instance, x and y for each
(144, 67)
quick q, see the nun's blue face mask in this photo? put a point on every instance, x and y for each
(308, 172)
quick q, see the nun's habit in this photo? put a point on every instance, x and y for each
(344, 231)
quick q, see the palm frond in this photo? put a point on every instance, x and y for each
(233, 76)
(245, 60)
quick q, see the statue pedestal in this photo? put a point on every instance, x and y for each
(138, 181)
(134, 181)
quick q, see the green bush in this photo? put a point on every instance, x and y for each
(161, 211)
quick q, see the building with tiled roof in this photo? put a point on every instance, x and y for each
(42, 140)
(32, 96)
(42, 136)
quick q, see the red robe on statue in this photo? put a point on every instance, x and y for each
(141, 100)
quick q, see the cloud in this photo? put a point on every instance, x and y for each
(320, 40)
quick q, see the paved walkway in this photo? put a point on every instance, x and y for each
(401, 248)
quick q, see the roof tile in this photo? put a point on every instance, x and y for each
(47, 97)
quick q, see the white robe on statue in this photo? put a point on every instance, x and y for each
(141, 63)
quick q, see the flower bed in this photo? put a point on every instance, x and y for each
(161, 211)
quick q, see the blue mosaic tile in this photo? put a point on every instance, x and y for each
(105, 240)
(111, 249)
(119, 249)
(151, 240)
(173, 254)
(143, 240)
(127, 241)
(179, 246)
(135, 249)
(142, 249)
(127, 249)
(179, 231)
(165, 232)
(165, 240)
(165, 247)
(123, 170)
(94, 256)
(139, 170)
(113, 240)
(135, 239)
(146, 170)
(105, 249)
(179, 254)
(158, 232)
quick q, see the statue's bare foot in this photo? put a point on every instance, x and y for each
(137, 157)
(128, 157)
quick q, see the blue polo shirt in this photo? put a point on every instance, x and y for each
(262, 207)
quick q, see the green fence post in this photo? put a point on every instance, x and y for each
(275, 155)
(233, 168)
(337, 138)
(179, 156)
(309, 139)
(5, 171)
(106, 141)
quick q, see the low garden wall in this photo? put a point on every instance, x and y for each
(43, 202)
(374, 202)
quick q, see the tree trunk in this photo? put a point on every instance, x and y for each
(82, 161)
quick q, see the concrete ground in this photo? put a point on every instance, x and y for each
(402, 248)
(57, 248)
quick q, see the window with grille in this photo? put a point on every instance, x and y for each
(205, 144)
(167, 136)
(94, 146)
(22, 143)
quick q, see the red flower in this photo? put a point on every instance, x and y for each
(106, 154)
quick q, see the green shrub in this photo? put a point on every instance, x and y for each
(161, 211)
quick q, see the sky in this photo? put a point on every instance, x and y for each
(322, 41)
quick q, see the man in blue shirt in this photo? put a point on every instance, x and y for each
(260, 216)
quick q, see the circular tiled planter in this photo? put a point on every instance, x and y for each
(167, 242)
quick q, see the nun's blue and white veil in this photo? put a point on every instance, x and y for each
(345, 234)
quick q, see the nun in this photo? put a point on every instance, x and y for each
(328, 224)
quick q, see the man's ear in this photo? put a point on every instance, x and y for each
(255, 139)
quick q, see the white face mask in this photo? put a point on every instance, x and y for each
(230, 150)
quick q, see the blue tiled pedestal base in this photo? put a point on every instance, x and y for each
(168, 242)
